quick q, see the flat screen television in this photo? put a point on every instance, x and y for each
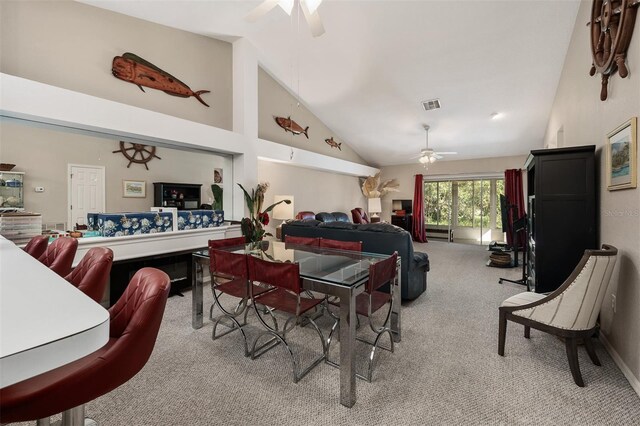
(405, 205)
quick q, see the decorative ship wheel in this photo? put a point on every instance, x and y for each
(145, 153)
(612, 23)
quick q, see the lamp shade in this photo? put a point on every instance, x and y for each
(283, 211)
(375, 206)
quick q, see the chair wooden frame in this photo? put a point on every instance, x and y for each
(571, 336)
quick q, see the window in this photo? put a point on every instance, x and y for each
(472, 203)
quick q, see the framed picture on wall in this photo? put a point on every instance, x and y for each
(622, 148)
(134, 189)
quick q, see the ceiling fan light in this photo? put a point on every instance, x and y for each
(312, 5)
(286, 5)
(424, 159)
(432, 159)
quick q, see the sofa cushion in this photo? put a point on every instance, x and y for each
(305, 223)
(341, 217)
(380, 227)
(325, 217)
(337, 225)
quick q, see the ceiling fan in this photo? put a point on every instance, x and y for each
(428, 155)
(309, 9)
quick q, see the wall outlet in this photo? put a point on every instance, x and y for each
(39, 188)
(613, 303)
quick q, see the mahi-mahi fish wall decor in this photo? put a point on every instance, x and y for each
(291, 126)
(134, 69)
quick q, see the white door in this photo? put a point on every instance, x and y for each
(86, 193)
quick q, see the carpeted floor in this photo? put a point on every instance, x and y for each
(446, 370)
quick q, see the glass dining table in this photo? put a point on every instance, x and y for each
(329, 271)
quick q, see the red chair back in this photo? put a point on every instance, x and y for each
(92, 273)
(227, 242)
(276, 274)
(382, 272)
(359, 215)
(227, 263)
(306, 215)
(59, 255)
(134, 325)
(303, 241)
(341, 245)
(37, 245)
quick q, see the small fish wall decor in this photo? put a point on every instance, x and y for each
(134, 69)
(291, 126)
(333, 144)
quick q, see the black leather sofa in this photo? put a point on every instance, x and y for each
(376, 238)
(332, 217)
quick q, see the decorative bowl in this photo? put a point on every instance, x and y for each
(13, 183)
(5, 167)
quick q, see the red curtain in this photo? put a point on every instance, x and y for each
(418, 231)
(515, 197)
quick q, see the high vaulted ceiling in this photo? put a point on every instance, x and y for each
(366, 76)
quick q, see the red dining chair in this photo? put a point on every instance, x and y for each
(367, 303)
(359, 215)
(59, 255)
(135, 321)
(285, 297)
(230, 277)
(303, 241)
(92, 273)
(216, 244)
(37, 245)
(341, 245)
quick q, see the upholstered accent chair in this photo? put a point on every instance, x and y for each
(359, 215)
(37, 245)
(306, 215)
(569, 312)
(134, 323)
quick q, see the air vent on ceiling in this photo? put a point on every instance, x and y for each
(431, 104)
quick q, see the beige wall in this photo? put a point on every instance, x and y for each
(71, 45)
(44, 154)
(275, 101)
(312, 190)
(585, 120)
(405, 174)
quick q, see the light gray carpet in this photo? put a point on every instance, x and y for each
(446, 370)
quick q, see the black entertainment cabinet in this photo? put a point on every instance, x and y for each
(403, 222)
(562, 213)
(184, 196)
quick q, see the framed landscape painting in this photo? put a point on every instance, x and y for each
(622, 166)
(134, 189)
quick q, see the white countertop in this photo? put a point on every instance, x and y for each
(45, 322)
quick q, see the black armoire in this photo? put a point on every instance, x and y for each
(562, 213)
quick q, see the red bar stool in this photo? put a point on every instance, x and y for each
(92, 273)
(135, 321)
(59, 255)
(37, 245)
(285, 297)
(372, 300)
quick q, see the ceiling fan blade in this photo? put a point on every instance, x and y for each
(437, 156)
(446, 153)
(313, 19)
(261, 10)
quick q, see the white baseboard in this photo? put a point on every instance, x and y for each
(626, 371)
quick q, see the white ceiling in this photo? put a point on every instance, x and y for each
(365, 77)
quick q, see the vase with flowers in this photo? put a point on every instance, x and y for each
(253, 226)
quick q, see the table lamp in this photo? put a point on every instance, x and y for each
(375, 207)
(282, 211)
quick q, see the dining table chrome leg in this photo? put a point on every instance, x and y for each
(397, 300)
(196, 293)
(347, 348)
